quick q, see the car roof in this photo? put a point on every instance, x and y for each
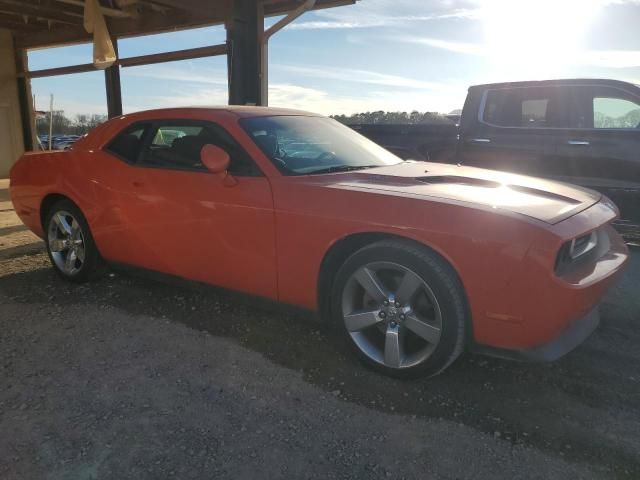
(558, 82)
(241, 111)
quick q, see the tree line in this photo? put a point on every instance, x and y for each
(63, 125)
(82, 123)
(382, 117)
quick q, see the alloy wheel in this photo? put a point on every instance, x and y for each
(66, 242)
(391, 314)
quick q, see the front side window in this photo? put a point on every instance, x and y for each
(300, 145)
(177, 145)
(611, 112)
(519, 107)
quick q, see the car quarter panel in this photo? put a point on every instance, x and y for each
(39, 174)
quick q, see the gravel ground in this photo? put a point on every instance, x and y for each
(129, 377)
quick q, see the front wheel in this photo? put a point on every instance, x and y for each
(402, 308)
(70, 245)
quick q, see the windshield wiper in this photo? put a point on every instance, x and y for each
(343, 168)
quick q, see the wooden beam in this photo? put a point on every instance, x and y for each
(106, 11)
(189, 54)
(15, 22)
(38, 11)
(51, 72)
(176, 55)
(19, 27)
(191, 5)
(58, 35)
(280, 7)
(149, 23)
(216, 12)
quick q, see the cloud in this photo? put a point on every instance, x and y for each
(186, 97)
(321, 101)
(194, 75)
(587, 58)
(358, 76)
(288, 95)
(383, 13)
(609, 58)
(400, 13)
(457, 47)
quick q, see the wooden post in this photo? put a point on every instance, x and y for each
(27, 115)
(50, 120)
(243, 57)
(112, 86)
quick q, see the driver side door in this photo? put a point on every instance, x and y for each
(187, 222)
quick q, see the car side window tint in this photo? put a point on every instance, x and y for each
(126, 144)
(520, 107)
(610, 112)
(178, 145)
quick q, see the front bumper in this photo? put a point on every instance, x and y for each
(577, 333)
(552, 311)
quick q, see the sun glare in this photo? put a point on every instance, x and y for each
(535, 38)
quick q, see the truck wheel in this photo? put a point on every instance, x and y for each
(70, 245)
(402, 308)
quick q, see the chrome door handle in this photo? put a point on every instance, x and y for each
(577, 142)
(481, 140)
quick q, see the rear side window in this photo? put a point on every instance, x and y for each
(534, 112)
(128, 143)
(609, 112)
(520, 107)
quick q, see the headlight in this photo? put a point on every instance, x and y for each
(609, 203)
(576, 251)
(582, 245)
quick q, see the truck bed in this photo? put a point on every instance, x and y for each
(414, 141)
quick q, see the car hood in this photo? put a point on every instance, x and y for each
(544, 200)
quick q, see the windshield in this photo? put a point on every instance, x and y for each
(299, 145)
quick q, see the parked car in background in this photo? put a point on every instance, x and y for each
(58, 142)
(580, 131)
(413, 262)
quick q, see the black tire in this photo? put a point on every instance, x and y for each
(93, 266)
(442, 281)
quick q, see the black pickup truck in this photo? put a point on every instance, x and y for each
(580, 131)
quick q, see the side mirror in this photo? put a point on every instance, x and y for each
(217, 162)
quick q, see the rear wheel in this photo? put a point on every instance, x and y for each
(402, 308)
(70, 245)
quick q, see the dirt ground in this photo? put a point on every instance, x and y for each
(129, 377)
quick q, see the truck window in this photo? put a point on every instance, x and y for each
(519, 107)
(611, 112)
(534, 112)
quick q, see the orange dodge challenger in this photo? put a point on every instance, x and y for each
(413, 261)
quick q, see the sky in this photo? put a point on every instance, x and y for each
(393, 55)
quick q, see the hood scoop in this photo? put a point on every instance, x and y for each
(491, 184)
(458, 180)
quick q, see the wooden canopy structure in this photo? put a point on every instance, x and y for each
(46, 23)
(35, 24)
